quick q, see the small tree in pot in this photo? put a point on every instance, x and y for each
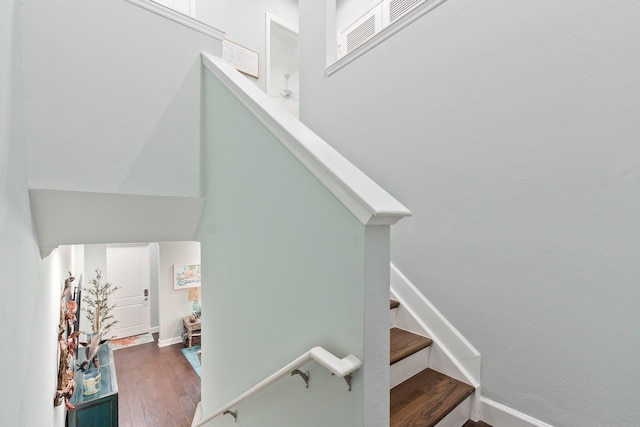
(96, 304)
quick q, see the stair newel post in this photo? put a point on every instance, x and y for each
(376, 324)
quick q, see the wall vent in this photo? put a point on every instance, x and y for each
(398, 8)
(361, 33)
(361, 30)
(374, 19)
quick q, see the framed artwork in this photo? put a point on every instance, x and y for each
(186, 276)
(245, 60)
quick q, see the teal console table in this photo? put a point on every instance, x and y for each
(100, 409)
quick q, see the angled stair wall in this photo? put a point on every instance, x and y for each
(112, 108)
(295, 241)
(113, 118)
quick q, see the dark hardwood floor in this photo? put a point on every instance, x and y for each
(157, 386)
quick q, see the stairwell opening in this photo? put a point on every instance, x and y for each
(158, 305)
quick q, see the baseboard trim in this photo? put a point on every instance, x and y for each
(496, 414)
(436, 327)
(170, 341)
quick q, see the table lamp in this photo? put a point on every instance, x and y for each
(194, 295)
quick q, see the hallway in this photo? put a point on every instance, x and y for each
(157, 386)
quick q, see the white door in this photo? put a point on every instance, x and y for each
(128, 269)
(282, 66)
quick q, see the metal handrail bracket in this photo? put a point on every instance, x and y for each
(342, 368)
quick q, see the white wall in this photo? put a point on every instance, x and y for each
(182, 6)
(29, 297)
(283, 271)
(174, 304)
(348, 10)
(246, 25)
(510, 129)
(111, 107)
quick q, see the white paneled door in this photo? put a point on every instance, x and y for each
(128, 269)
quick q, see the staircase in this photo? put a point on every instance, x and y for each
(420, 396)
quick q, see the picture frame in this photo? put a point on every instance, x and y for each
(186, 276)
(245, 60)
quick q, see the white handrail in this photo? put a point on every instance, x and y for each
(339, 367)
(364, 198)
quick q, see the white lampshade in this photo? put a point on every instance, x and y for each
(194, 294)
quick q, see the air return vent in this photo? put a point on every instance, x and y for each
(361, 30)
(375, 19)
(361, 34)
(397, 8)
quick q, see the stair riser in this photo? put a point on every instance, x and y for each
(409, 366)
(393, 316)
(439, 359)
(458, 416)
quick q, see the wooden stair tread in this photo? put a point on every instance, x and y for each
(425, 399)
(405, 343)
(393, 304)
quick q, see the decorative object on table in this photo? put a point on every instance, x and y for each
(97, 308)
(192, 355)
(91, 382)
(67, 343)
(92, 348)
(186, 276)
(194, 295)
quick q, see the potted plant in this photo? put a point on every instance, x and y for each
(98, 310)
(97, 306)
